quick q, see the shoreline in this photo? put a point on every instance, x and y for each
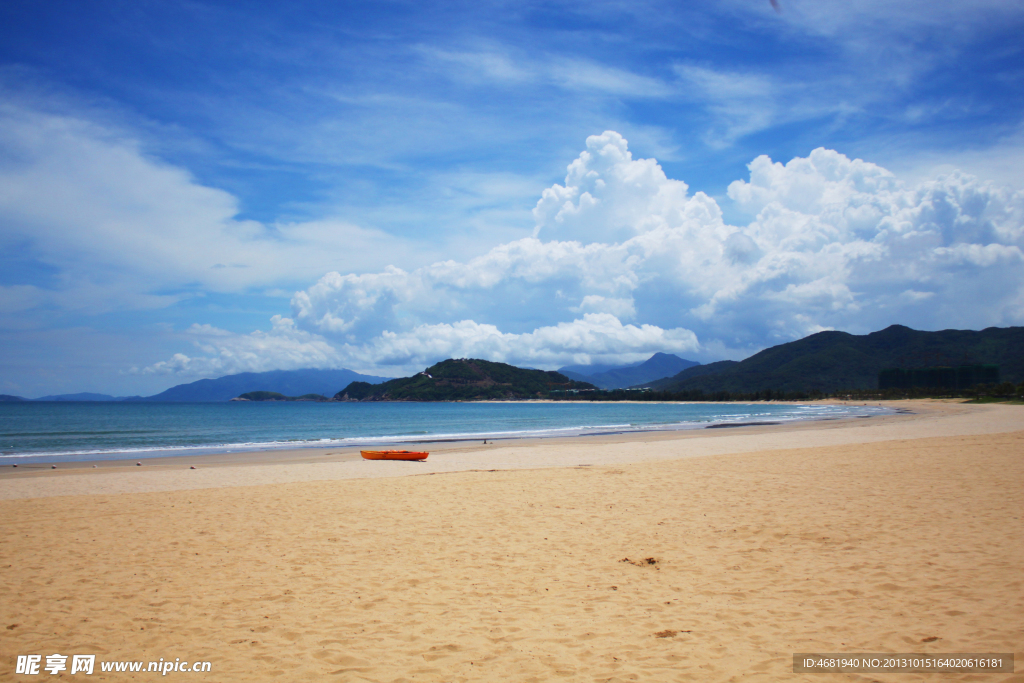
(918, 419)
(103, 458)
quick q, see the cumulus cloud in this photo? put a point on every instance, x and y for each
(625, 262)
(284, 347)
(865, 238)
(609, 196)
(595, 337)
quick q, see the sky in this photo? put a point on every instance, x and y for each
(195, 189)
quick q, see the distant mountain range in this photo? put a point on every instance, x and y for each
(86, 396)
(825, 362)
(618, 377)
(832, 361)
(466, 379)
(287, 382)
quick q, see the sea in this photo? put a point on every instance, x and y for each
(44, 432)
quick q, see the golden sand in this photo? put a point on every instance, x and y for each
(894, 535)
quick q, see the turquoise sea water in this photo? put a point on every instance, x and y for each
(48, 432)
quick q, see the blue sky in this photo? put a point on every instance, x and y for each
(192, 189)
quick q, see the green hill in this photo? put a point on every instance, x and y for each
(465, 379)
(832, 361)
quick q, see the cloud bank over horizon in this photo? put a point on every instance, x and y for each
(625, 261)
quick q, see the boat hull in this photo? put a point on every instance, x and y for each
(394, 455)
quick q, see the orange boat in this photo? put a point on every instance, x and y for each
(394, 455)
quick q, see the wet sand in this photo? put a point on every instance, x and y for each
(507, 561)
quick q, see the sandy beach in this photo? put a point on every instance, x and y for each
(708, 556)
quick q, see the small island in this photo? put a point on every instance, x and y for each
(274, 396)
(466, 379)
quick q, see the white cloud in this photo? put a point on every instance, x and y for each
(596, 337)
(609, 196)
(997, 161)
(845, 19)
(835, 243)
(87, 200)
(881, 63)
(489, 65)
(583, 75)
(852, 227)
(497, 65)
(620, 308)
(284, 347)
(740, 103)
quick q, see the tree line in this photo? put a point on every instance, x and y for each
(1002, 391)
